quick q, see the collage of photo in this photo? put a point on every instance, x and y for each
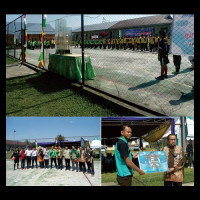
(100, 100)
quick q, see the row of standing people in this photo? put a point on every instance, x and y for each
(33, 44)
(78, 158)
(143, 43)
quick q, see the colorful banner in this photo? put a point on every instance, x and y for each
(153, 161)
(36, 145)
(182, 35)
(41, 57)
(84, 143)
(138, 32)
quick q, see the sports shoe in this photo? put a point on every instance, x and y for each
(159, 78)
(174, 72)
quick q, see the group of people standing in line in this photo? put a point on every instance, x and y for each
(142, 43)
(33, 44)
(78, 157)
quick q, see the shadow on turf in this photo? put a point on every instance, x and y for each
(36, 105)
(47, 82)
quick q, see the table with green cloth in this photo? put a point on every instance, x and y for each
(70, 66)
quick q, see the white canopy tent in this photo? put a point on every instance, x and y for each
(95, 144)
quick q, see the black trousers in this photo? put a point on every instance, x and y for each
(23, 163)
(170, 183)
(53, 159)
(82, 167)
(124, 180)
(46, 162)
(177, 62)
(34, 158)
(16, 161)
(28, 159)
(67, 164)
(41, 164)
(151, 47)
(60, 163)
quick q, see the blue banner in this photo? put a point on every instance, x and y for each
(153, 161)
(84, 143)
(138, 32)
(182, 35)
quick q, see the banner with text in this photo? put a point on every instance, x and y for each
(182, 35)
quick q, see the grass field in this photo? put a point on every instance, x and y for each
(10, 60)
(47, 94)
(153, 179)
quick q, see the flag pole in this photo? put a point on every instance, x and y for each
(43, 36)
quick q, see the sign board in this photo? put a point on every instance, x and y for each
(182, 35)
(138, 32)
(153, 161)
(95, 37)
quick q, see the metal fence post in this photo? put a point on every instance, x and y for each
(83, 60)
(22, 41)
(43, 38)
(14, 41)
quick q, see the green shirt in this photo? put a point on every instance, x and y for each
(52, 153)
(74, 153)
(122, 150)
(100, 41)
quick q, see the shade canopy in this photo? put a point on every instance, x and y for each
(95, 144)
(63, 143)
(141, 126)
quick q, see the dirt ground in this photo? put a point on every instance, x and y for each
(50, 177)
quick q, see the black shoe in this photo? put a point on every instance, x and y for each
(159, 78)
(165, 76)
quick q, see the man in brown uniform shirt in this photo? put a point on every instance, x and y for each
(176, 161)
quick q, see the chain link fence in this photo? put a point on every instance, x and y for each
(124, 54)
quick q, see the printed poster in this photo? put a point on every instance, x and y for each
(151, 162)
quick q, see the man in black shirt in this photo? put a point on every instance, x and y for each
(16, 156)
(163, 56)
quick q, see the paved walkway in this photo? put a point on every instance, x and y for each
(188, 184)
(18, 70)
(51, 177)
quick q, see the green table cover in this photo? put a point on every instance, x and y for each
(70, 66)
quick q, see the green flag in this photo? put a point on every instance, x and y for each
(44, 20)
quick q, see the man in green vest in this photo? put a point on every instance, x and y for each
(38, 44)
(86, 43)
(60, 157)
(74, 157)
(123, 158)
(53, 155)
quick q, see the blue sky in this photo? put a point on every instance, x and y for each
(50, 127)
(74, 20)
